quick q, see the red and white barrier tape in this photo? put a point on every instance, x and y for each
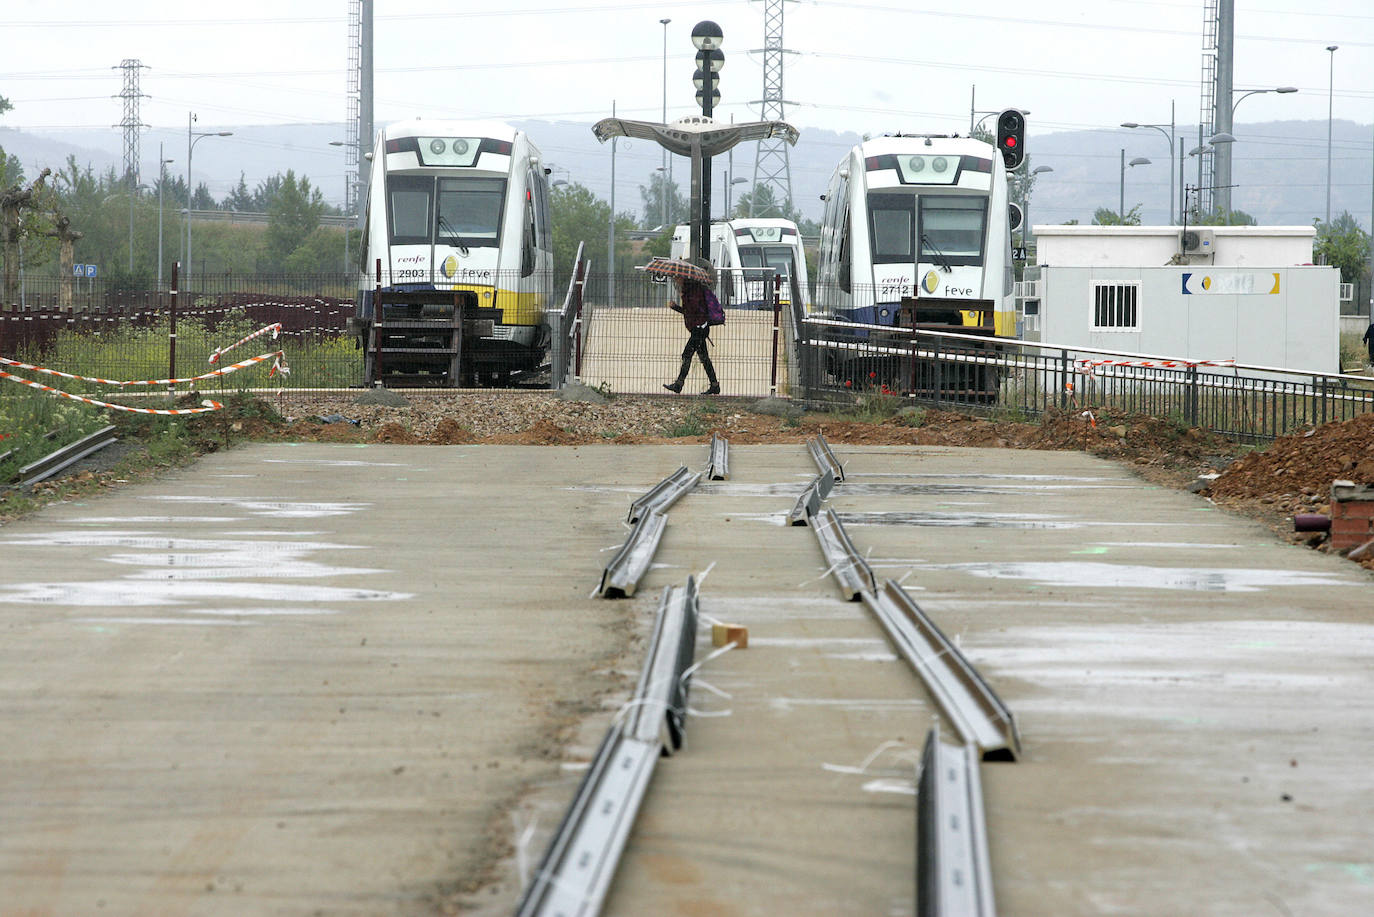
(1086, 366)
(277, 357)
(275, 328)
(209, 405)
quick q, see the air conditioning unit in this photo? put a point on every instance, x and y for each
(1198, 242)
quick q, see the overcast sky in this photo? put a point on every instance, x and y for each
(873, 67)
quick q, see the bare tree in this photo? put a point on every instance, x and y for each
(13, 202)
(66, 237)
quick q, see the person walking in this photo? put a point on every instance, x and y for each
(699, 308)
(1369, 341)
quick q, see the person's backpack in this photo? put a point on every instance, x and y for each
(715, 313)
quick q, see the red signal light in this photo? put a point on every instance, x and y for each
(1009, 143)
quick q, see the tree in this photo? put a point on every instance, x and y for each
(240, 199)
(1343, 244)
(1104, 217)
(202, 199)
(580, 216)
(17, 203)
(292, 216)
(266, 191)
(652, 201)
(322, 250)
(5, 105)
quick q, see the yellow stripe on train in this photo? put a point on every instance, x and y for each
(517, 307)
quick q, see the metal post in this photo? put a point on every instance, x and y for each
(190, 143)
(1330, 88)
(665, 165)
(1121, 208)
(610, 231)
(1221, 119)
(777, 320)
(707, 91)
(172, 329)
(161, 180)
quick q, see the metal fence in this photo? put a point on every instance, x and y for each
(844, 363)
(631, 342)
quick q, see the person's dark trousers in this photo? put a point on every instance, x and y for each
(696, 344)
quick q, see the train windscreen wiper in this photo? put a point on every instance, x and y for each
(940, 258)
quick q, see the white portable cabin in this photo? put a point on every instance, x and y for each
(746, 252)
(1248, 293)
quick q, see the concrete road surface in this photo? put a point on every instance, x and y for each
(364, 680)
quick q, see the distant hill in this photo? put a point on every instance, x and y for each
(1279, 167)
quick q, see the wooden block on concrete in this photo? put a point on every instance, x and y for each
(738, 634)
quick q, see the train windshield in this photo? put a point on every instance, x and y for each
(893, 218)
(952, 228)
(468, 211)
(777, 257)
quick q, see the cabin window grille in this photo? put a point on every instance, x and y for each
(1116, 306)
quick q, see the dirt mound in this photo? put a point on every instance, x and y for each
(1303, 463)
(543, 433)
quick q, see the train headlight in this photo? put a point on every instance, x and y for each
(437, 147)
(460, 147)
(939, 164)
(916, 163)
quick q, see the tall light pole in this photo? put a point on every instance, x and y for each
(1330, 88)
(161, 180)
(192, 138)
(349, 181)
(667, 164)
(1025, 208)
(1169, 137)
(1138, 161)
(1224, 188)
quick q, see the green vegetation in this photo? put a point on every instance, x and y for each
(1354, 354)
(580, 216)
(34, 424)
(694, 424)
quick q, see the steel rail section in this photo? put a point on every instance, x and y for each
(824, 458)
(719, 468)
(953, 869)
(631, 562)
(978, 714)
(659, 710)
(852, 573)
(811, 499)
(664, 494)
(68, 455)
(576, 870)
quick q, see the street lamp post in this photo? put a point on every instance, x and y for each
(192, 138)
(666, 164)
(1330, 89)
(1169, 137)
(1223, 174)
(1138, 161)
(1025, 208)
(707, 38)
(729, 193)
(161, 180)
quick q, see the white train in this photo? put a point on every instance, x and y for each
(457, 219)
(745, 251)
(920, 218)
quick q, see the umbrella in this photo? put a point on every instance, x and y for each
(678, 268)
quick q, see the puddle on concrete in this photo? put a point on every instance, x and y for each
(823, 642)
(203, 622)
(151, 520)
(863, 657)
(1068, 478)
(1192, 545)
(138, 592)
(335, 463)
(853, 489)
(114, 539)
(286, 509)
(962, 520)
(1091, 575)
(854, 705)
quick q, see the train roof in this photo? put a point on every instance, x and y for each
(878, 146)
(496, 130)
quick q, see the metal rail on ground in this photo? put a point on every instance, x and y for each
(811, 499)
(977, 713)
(719, 467)
(825, 459)
(622, 574)
(664, 494)
(67, 456)
(852, 573)
(579, 864)
(953, 869)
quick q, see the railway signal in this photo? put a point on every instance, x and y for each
(1011, 137)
